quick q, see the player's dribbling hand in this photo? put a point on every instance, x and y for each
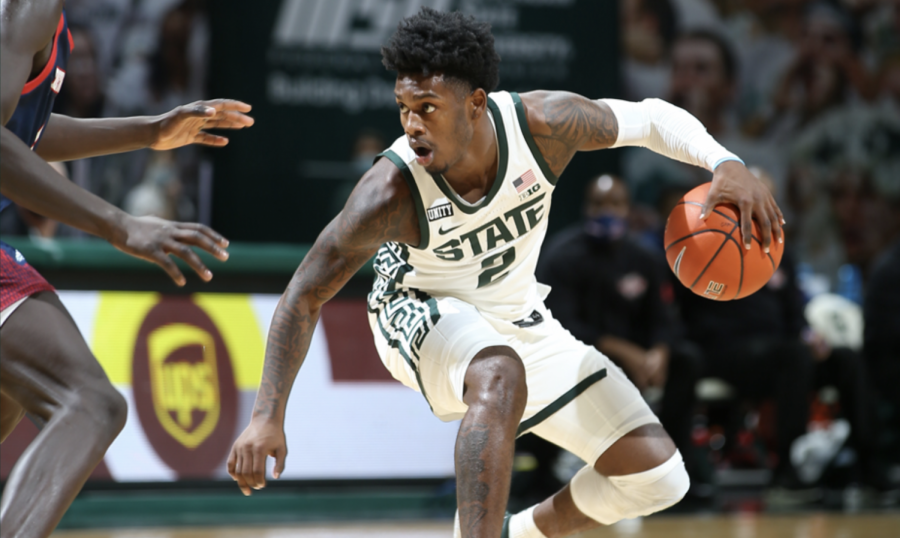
(733, 183)
(187, 124)
(247, 461)
(153, 239)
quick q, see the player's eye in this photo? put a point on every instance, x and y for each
(402, 108)
(428, 108)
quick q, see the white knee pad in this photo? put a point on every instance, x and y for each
(611, 499)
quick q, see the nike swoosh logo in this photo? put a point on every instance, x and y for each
(677, 265)
(442, 231)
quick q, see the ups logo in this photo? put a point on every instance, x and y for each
(184, 387)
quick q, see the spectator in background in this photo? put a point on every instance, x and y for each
(703, 81)
(648, 30)
(178, 67)
(610, 292)
(825, 73)
(841, 187)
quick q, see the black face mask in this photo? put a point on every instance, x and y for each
(605, 229)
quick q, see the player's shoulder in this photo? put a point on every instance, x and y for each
(384, 182)
(26, 25)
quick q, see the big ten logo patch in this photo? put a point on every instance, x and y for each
(714, 290)
(184, 387)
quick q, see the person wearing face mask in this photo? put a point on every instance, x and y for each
(609, 290)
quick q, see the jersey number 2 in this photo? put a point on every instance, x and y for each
(491, 271)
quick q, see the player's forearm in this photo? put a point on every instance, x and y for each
(66, 138)
(289, 337)
(667, 130)
(29, 181)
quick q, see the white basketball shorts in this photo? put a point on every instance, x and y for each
(578, 399)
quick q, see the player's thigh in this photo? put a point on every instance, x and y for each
(428, 344)
(45, 360)
(10, 415)
(607, 411)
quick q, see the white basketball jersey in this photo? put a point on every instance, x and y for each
(483, 253)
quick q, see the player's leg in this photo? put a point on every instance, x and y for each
(633, 466)
(49, 371)
(633, 477)
(495, 393)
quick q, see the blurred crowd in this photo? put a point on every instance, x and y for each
(798, 380)
(133, 57)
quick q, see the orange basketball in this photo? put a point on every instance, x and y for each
(709, 257)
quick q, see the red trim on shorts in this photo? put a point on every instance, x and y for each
(18, 281)
(51, 63)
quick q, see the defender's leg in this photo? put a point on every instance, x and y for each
(496, 393)
(49, 371)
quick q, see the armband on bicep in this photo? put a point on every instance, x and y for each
(667, 130)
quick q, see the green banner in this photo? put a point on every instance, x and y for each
(324, 104)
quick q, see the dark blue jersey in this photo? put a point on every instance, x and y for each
(34, 106)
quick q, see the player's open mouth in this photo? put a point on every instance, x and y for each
(424, 156)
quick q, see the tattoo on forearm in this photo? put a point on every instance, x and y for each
(573, 123)
(370, 218)
(472, 491)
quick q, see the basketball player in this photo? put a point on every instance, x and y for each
(47, 369)
(455, 213)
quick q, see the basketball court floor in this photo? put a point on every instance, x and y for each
(881, 525)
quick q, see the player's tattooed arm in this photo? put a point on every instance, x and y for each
(564, 123)
(379, 210)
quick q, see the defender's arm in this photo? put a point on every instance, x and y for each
(66, 138)
(379, 210)
(564, 123)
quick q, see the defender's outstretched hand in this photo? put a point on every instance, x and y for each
(187, 124)
(153, 239)
(733, 183)
(247, 461)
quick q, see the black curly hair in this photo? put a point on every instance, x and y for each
(454, 44)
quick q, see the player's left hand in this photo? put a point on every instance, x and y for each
(733, 184)
(187, 124)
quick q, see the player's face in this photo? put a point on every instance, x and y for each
(432, 112)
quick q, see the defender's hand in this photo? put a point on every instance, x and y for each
(247, 461)
(187, 123)
(733, 183)
(153, 239)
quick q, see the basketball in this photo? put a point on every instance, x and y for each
(709, 257)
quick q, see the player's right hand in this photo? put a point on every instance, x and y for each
(153, 239)
(247, 461)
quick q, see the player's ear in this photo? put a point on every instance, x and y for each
(476, 103)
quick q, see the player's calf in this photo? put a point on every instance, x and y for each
(495, 392)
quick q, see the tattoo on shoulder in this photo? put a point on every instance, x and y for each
(572, 123)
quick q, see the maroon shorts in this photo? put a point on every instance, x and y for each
(17, 278)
